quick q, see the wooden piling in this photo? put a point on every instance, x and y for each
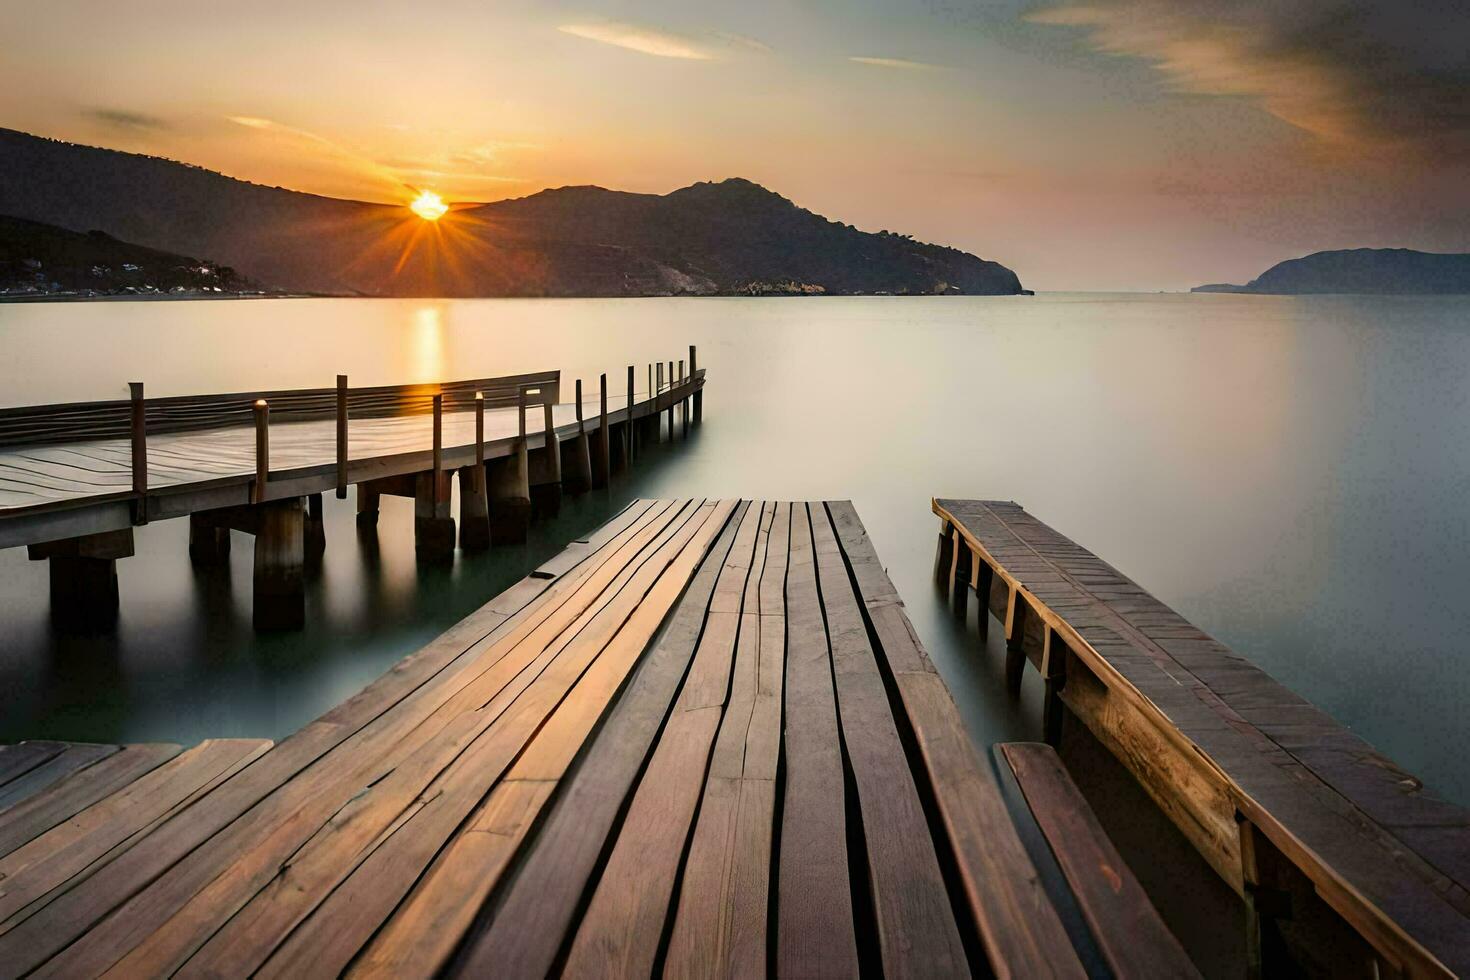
(1015, 643)
(983, 578)
(83, 575)
(138, 426)
(1054, 675)
(698, 392)
(367, 505)
(545, 466)
(658, 405)
(576, 459)
(601, 446)
(630, 431)
(262, 451)
(315, 528)
(670, 401)
(280, 590)
(960, 595)
(341, 437)
(944, 553)
(510, 489)
(474, 499)
(683, 403)
(209, 543)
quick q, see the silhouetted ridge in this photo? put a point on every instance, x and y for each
(1360, 270)
(727, 237)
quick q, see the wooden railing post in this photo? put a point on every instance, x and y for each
(698, 393)
(438, 440)
(658, 403)
(683, 402)
(480, 429)
(604, 446)
(671, 401)
(341, 437)
(262, 451)
(628, 428)
(139, 428)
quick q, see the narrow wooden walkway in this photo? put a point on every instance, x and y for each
(702, 741)
(1286, 804)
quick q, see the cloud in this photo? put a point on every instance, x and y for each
(902, 64)
(1353, 72)
(708, 46)
(126, 120)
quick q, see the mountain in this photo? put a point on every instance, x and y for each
(731, 237)
(38, 260)
(1360, 270)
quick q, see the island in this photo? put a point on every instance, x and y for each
(1400, 271)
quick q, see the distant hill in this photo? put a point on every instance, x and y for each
(1360, 270)
(38, 260)
(731, 237)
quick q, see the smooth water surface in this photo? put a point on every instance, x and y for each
(1293, 474)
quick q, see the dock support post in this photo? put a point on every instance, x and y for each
(601, 446)
(576, 457)
(209, 543)
(698, 392)
(341, 437)
(83, 575)
(474, 499)
(683, 404)
(510, 490)
(138, 426)
(944, 553)
(545, 468)
(630, 432)
(983, 577)
(1054, 672)
(433, 526)
(671, 401)
(1015, 644)
(367, 505)
(280, 590)
(960, 596)
(315, 528)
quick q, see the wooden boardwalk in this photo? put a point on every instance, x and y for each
(702, 741)
(1293, 810)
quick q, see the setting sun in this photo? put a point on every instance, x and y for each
(429, 206)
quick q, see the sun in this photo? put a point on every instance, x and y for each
(429, 206)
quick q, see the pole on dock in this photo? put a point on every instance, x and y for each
(1015, 644)
(658, 405)
(474, 502)
(671, 401)
(577, 456)
(510, 486)
(341, 437)
(138, 426)
(698, 392)
(545, 468)
(629, 447)
(433, 527)
(602, 475)
(262, 450)
(438, 437)
(683, 402)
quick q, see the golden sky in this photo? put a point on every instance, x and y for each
(1112, 144)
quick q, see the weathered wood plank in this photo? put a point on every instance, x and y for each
(526, 931)
(916, 929)
(75, 756)
(815, 931)
(1125, 925)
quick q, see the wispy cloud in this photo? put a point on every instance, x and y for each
(1351, 71)
(125, 120)
(708, 46)
(901, 64)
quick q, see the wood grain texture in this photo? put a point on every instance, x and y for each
(1125, 925)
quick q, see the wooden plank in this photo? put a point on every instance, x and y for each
(17, 760)
(62, 800)
(418, 683)
(353, 912)
(312, 827)
(424, 931)
(724, 897)
(1016, 921)
(34, 869)
(814, 930)
(523, 937)
(1125, 925)
(75, 756)
(916, 929)
(624, 923)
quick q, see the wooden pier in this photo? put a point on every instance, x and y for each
(1345, 862)
(702, 741)
(75, 480)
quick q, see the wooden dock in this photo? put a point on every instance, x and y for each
(76, 479)
(702, 741)
(1344, 860)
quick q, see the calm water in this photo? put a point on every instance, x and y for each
(1292, 474)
